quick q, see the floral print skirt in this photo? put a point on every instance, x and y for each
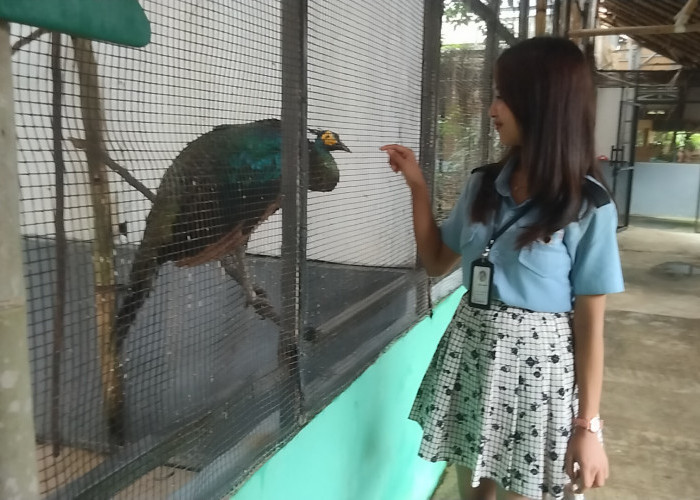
(499, 398)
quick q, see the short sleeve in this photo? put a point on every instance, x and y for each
(451, 228)
(596, 267)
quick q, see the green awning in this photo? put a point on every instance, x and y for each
(118, 21)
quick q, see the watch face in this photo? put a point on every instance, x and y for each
(595, 424)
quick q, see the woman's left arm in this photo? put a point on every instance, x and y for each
(584, 447)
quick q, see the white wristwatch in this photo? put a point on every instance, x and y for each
(594, 425)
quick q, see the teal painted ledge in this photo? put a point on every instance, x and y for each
(362, 446)
(118, 21)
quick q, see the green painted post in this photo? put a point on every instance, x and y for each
(18, 469)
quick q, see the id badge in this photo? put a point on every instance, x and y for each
(481, 282)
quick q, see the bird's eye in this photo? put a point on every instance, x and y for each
(329, 139)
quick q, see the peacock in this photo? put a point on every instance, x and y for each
(216, 192)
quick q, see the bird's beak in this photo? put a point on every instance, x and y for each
(344, 147)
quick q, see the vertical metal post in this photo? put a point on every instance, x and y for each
(490, 52)
(295, 180)
(524, 19)
(556, 18)
(432, 25)
(59, 308)
(633, 152)
(697, 210)
(590, 20)
(567, 17)
(18, 469)
(620, 118)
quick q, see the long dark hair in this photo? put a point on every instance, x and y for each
(547, 84)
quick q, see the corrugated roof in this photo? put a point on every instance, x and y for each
(683, 48)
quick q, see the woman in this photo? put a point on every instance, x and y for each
(513, 392)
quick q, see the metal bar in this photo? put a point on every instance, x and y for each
(620, 118)
(490, 50)
(490, 14)
(295, 180)
(361, 308)
(432, 25)
(34, 35)
(18, 468)
(524, 19)
(633, 151)
(697, 210)
(665, 29)
(556, 18)
(591, 15)
(59, 223)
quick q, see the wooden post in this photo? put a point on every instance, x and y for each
(18, 467)
(103, 245)
(540, 17)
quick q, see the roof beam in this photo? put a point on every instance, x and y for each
(665, 29)
(684, 14)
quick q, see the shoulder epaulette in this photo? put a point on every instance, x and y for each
(483, 167)
(597, 193)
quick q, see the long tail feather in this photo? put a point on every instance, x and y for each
(143, 273)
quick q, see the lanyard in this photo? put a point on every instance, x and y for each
(496, 233)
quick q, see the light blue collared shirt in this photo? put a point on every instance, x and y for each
(581, 259)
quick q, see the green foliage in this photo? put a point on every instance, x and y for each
(456, 13)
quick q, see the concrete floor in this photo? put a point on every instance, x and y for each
(651, 395)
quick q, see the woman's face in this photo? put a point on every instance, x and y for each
(504, 121)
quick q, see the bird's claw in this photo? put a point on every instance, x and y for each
(263, 307)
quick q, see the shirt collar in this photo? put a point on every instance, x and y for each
(503, 180)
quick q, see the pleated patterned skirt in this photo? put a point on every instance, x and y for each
(499, 398)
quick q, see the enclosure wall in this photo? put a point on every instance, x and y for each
(362, 446)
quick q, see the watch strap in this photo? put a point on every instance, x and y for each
(588, 424)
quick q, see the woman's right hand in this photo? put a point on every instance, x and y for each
(436, 257)
(403, 159)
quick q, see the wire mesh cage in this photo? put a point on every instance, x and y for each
(153, 243)
(364, 67)
(181, 326)
(466, 136)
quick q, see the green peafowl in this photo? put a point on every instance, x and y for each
(216, 192)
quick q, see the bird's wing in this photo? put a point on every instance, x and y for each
(232, 176)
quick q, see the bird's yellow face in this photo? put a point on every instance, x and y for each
(329, 138)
